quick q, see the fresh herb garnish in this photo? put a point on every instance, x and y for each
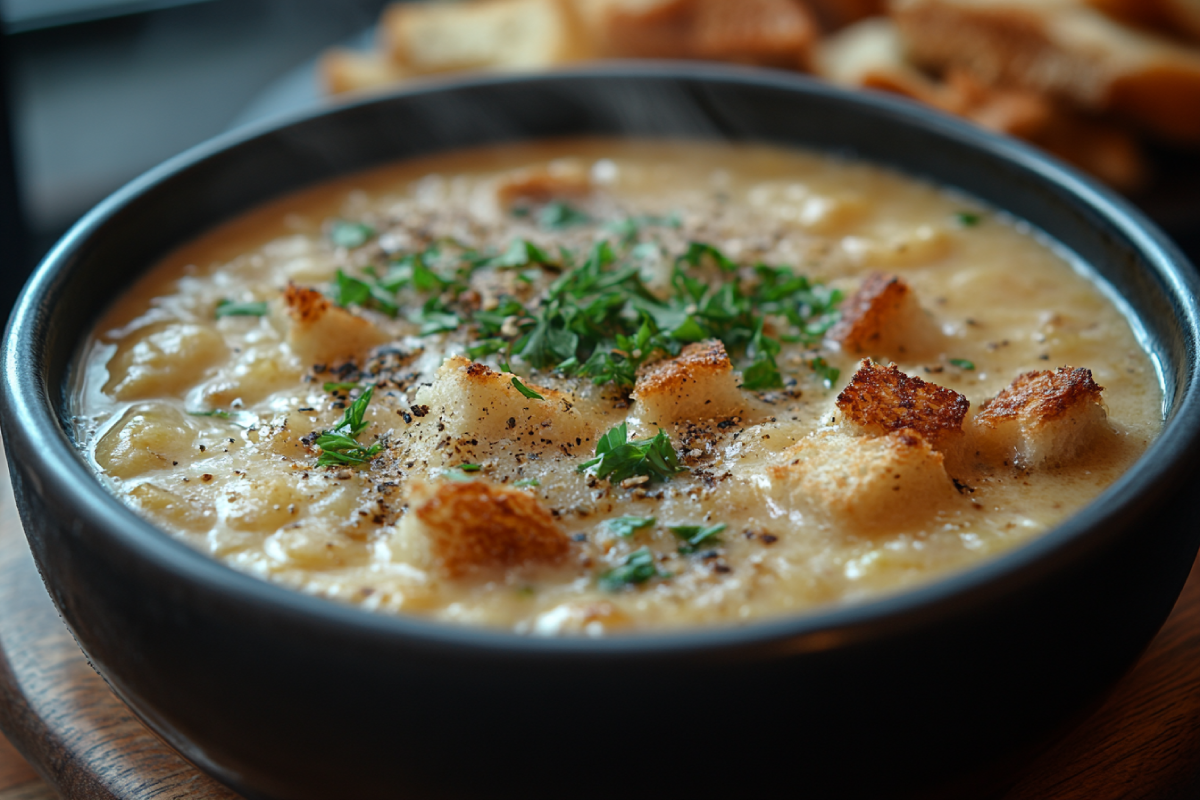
(229, 308)
(470, 467)
(626, 526)
(962, 363)
(213, 413)
(638, 568)
(527, 482)
(826, 373)
(558, 215)
(519, 254)
(331, 386)
(696, 535)
(525, 390)
(968, 219)
(618, 459)
(348, 290)
(338, 446)
(350, 234)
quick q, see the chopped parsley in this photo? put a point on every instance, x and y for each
(627, 526)
(638, 568)
(525, 390)
(527, 482)
(826, 373)
(619, 459)
(229, 308)
(696, 535)
(339, 446)
(349, 291)
(350, 234)
(962, 363)
(968, 219)
(331, 386)
(213, 413)
(470, 467)
(558, 215)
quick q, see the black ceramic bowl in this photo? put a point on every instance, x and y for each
(287, 696)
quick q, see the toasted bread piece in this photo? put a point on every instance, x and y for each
(475, 528)
(1064, 49)
(563, 179)
(770, 32)
(323, 333)
(342, 71)
(697, 384)
(884, 318)
(836, 14)
(1180, 17)
(870, 55)
(1041, 418)
(864, 481)
(485, 34)
(479, 408)
(879, 400)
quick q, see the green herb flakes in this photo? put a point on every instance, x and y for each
(350, 234)
(968, 219)
(627, 526)
(339, 446)
(526, 483)
(826, 373)
(525, 390)
(619, 459)
(558, 215)
(962, 363)
(331, 386)
(229, 308)
(696, 535)
(638, 568)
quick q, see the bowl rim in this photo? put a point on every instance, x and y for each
(32, 423)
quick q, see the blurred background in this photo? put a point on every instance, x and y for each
(96, 92)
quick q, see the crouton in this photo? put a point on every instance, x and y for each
(480, 408)
(699, 383)
(880, 400)
(1041, 419)
(884, 318)
(322, 333)
(836, 14)
(1169, 16)
(477, 528)
(559, 180)
(768, 32)
(487, 34)
(1063, 49)
(864, 481)
(343, 71)
(871, 55)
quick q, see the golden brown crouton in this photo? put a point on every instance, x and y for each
(322, 333)
(1181, 17)
(770, 32)
(699, 383)
(883, 399)
(1063, 49)
(564, 179)
(344, 71)
(865, 481)
(479, 408)
(884, 318)
(1041, 418)
(486, 34)
(475, 527)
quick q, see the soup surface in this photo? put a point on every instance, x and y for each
(597, 386)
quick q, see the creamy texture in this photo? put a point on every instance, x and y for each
(244, 485)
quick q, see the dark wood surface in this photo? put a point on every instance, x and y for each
(1142, 744)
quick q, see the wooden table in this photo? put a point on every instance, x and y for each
(1142, 744)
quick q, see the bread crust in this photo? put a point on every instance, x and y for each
(881, 400)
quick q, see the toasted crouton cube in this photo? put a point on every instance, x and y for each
(884, 318)
(488, 34)
(1064, 49)
(480, 408)
(770, 32)
(344, 71)
(880, 400)
(562, 179)
(1042, 418)
(320, 332)
(477, 528)
(871, 55)
(864, 481)
(699, 383)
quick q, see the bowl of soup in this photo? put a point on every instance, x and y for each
(637, 429)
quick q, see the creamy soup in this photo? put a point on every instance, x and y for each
(600, 386)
